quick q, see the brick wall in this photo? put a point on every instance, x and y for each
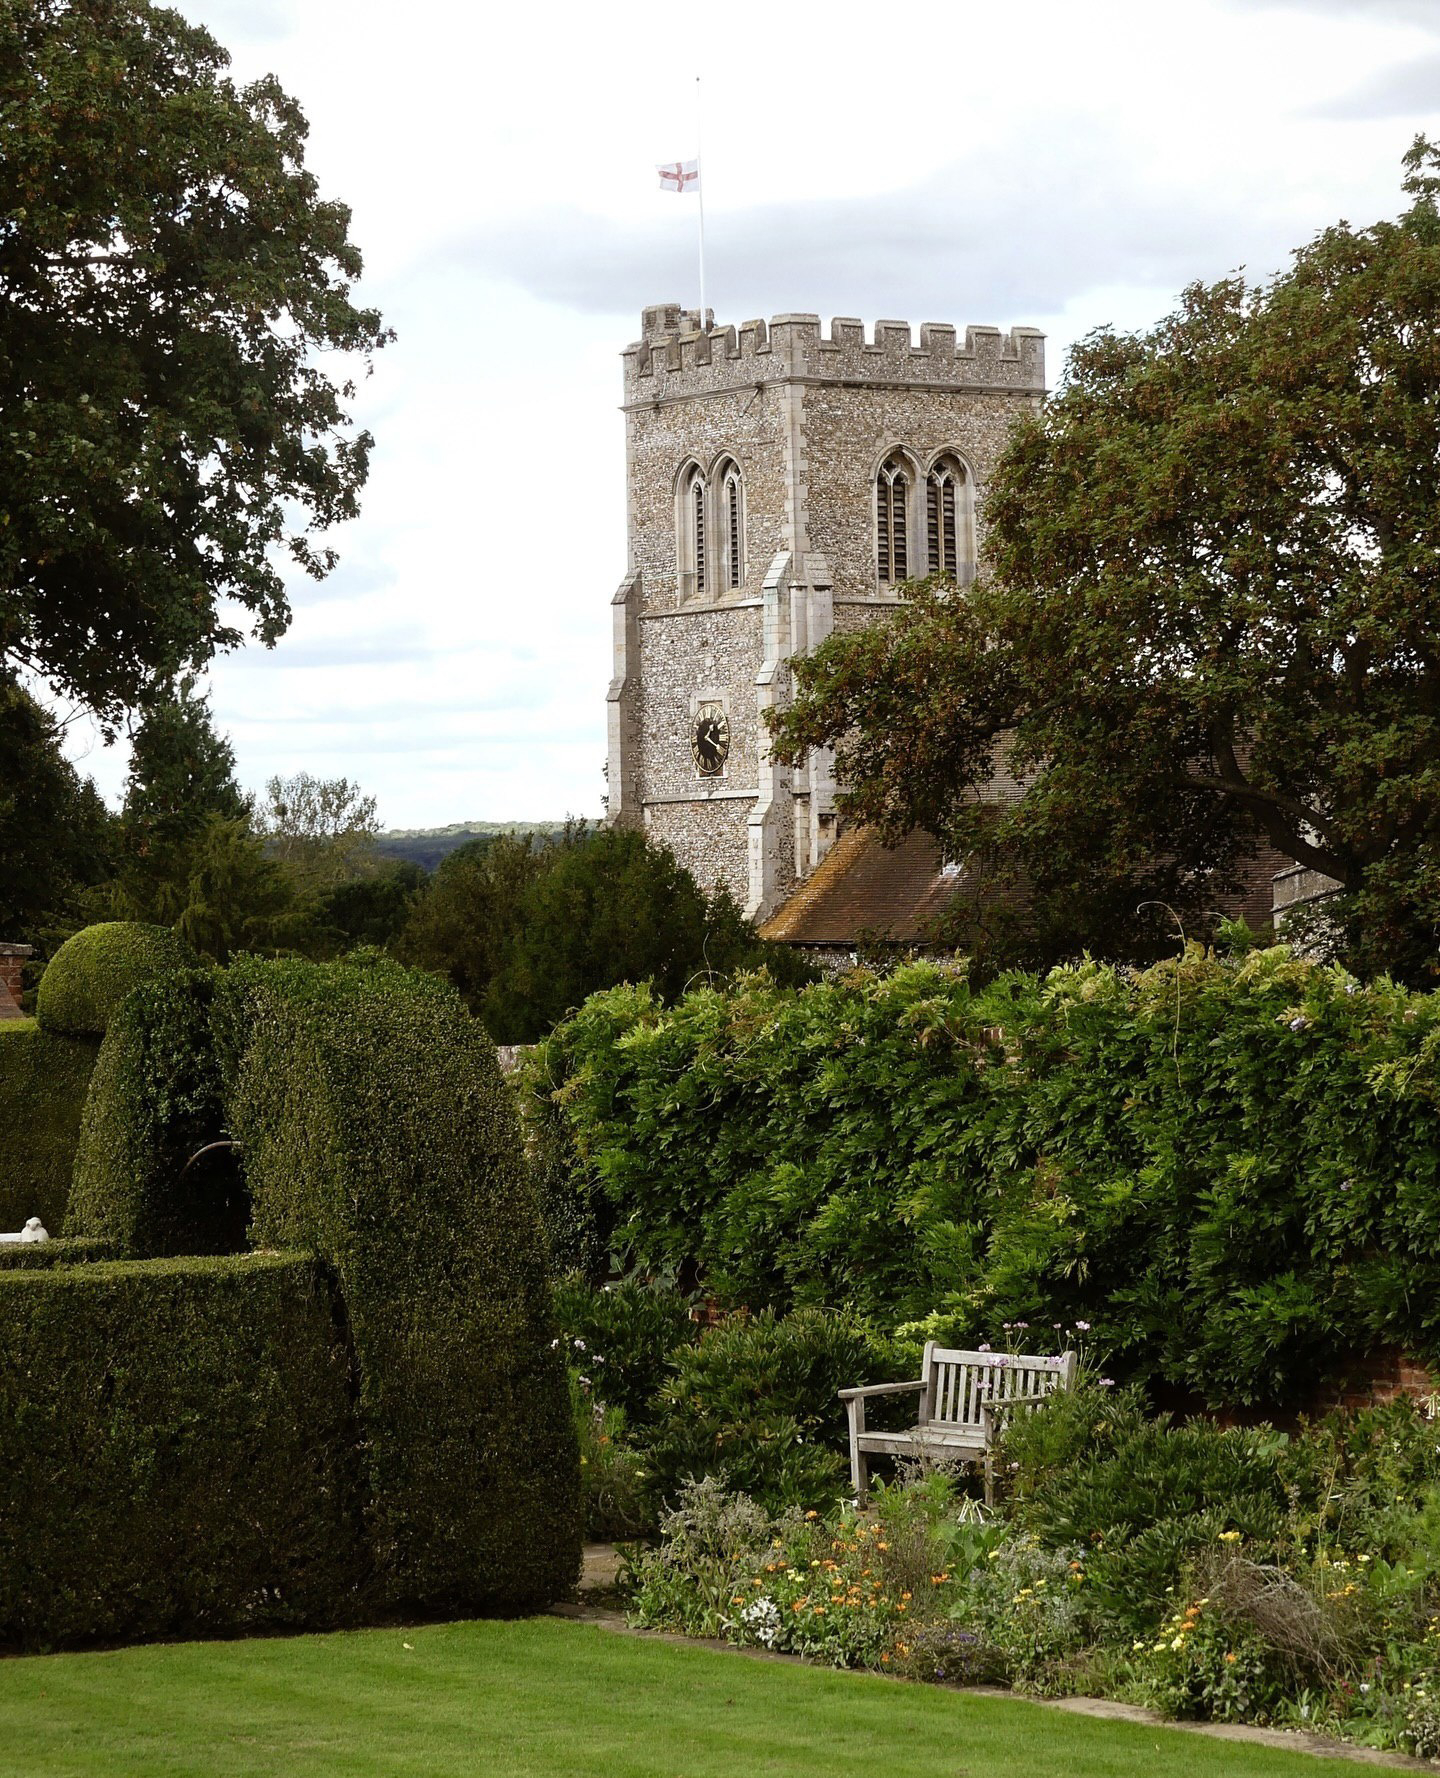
(12, 964)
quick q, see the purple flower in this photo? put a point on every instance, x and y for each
(1020, 1324)
(1055, 1325)
(1005, 1326)
(985, 1347)
(1082, 1327)
(1107, 1382)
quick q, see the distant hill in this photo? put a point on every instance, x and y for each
(428, 845)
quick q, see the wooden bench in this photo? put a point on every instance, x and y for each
(964, 1398)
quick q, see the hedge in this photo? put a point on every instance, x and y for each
(44, 1078)
(38, 1256)
(379, 1134)
(177, 1451)
(1231, 1166)
(90, 975)
(155, 1104)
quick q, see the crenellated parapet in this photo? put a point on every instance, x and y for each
(677, 357)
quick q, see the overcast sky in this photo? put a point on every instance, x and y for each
(1062, 164)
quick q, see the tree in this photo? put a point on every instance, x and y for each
(1214, 620)
(319, 830)
(526, 932)
(55, 835)
(168, 272)
(181, 771)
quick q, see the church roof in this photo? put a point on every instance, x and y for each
(864, 889)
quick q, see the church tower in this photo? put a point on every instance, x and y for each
(781, 483)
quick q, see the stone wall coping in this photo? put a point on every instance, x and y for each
(17, 950)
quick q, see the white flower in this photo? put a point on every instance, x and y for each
(579, 1345)
(554, 1344)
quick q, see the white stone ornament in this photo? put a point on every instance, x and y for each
(34, 1230)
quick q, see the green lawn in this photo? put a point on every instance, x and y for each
(544, 1698)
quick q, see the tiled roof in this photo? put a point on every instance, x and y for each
(862, 888)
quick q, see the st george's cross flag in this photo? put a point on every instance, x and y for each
(680, 176)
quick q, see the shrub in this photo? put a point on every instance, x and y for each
(756, 1402)
(44, 1078)
(154, 1103)
(1233, 1164)
(626, 1334)
(613, 1476)
(379, 1134)
(41, 1256)
(91, 973)
(179, 1451)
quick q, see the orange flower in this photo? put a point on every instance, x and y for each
(1232, 1657)
(812, 1515)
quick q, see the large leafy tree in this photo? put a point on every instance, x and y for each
(169, 275)
(56, 839)
(1214, 617)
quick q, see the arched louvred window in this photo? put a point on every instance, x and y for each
(697, 529)
(892, 496)
(694, 542)
(945, 518)
(731, 521)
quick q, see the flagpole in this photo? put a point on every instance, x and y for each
(700, 184)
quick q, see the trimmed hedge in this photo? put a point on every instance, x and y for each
(90, 975)
(154, 1104)
(59, 1250)
(379, 1134)
(1230, 1166)
(44, 1078)
(177, 1451)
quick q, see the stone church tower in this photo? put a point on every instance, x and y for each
(781, 483)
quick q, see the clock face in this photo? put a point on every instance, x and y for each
(710, 744)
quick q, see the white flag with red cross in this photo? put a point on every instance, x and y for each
(680, 176)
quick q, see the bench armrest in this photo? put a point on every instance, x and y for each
(1014, 1401)
(880, 1389)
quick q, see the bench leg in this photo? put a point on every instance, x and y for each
(855, 1414)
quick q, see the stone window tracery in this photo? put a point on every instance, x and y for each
(947, 513)
(892, 520)
(732, 527)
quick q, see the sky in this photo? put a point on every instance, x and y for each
(1064, 165)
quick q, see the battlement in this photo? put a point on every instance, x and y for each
(677, 356)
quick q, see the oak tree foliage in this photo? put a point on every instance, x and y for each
(177, 345)
(1211, 622)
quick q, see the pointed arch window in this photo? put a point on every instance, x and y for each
(693, 525)
(731, 519)
(892, 526)
(946, 512)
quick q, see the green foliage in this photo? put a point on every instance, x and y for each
(59, 1250)
(319, 830)
(181, 772)
(179, 1451)
(755, 1401)
(155, 1103)
(1230, 1167)
(170, 273)
(527, 931)
(1210, 625)
(371, 910)
(626, 1334)
(379, 1134)
(613, 1476)
(55, 837)
(44, 1077)
(90, 975)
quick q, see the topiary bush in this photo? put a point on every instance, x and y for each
(756, 1401)
(91, 973)
(379, 1135)
(59, 1250)
(44, 1078)
(141, 1182)
(180, 1451)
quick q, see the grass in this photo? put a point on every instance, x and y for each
(544, 1699)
